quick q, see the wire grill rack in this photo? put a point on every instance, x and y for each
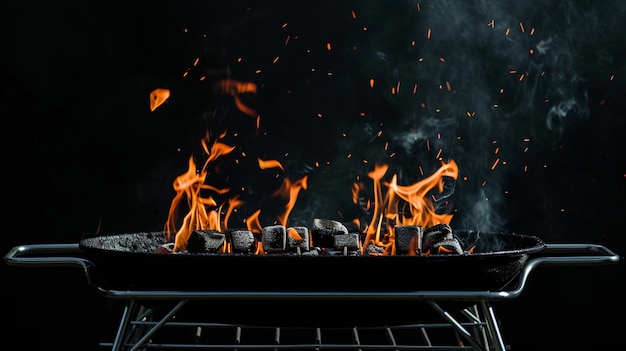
(145, 328)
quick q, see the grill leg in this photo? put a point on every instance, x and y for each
(158, 326)
(127, 334)
(492, 325)
(467, 336)
(124, 322)
(480, 328)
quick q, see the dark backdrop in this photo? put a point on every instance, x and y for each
(540, 89)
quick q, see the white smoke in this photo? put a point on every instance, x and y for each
(475, 81)
(491, 72)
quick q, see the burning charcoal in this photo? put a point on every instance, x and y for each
(298, 239)
(274, 238)
(435, 234)
(447, 246)
(350, 242)
(242, 241)
(323, 231)
(314, 251)
(205, 241)
(374, 250)
(165, 248)
(408, 237)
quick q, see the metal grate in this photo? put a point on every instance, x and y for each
(162, 330)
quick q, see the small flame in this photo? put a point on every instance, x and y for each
(266, 164)
(289, 191)
(203, 210)
(236, 89)
(158, 97)
(444, 250)
(253, 222)
(293, 233)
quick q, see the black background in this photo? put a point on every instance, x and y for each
(83, 155)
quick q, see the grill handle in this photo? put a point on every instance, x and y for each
(565, 255)
(50, 255)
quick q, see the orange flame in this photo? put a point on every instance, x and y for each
(266, 164)
(289, 191)
(235, 89)
(400, 205)
(293, 233)
(413, 198)
(203, 211)
(158, 97)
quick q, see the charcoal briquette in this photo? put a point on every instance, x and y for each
(274, 238)
(408, 237)
(323, 231)
(205, 241)
(436, 234)
(350, 241)
(298, 237)
(242, 241)
(447, 246)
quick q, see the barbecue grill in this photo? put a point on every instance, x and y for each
(249, 317)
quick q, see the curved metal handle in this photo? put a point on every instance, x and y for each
(570, 254)
(49, 255)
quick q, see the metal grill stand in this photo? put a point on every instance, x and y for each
(150, 319)
(146, 328)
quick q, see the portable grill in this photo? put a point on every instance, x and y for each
(243, 318)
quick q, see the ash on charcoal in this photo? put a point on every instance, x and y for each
(314, 251)
(323, 231)
(274, 238)
(469, 241)
(408, 238)
(242, 241)
(447, 246)
(435, 234)
(298, 239)
(139, 242)
(341, 252)
(374, 250)
(205, 241)
(165, 248)
(349, 241)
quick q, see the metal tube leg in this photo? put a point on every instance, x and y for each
(480, 328)
(157, 326)
(492, 325)
(457, 326)
(121, 330)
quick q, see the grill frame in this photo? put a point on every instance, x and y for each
(480, 331)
